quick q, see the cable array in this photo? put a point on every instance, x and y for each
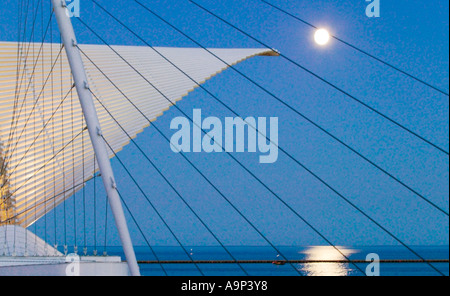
(47, 94)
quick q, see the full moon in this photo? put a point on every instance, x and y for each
(322, 36)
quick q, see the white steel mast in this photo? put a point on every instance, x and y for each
(95, 133)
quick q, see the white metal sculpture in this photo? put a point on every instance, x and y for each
(44, 156)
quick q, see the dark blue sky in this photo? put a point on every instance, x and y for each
(412, 35)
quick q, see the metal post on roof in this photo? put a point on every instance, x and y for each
(95, 132)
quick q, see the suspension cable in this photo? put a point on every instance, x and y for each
(321, 79)
(358, 49)
(409, 188)
(153, 207)
(313, 174)
(142, 233)
(165, 179)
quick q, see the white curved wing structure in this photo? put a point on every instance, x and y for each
(45, 154)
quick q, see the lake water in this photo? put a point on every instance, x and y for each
(325, 253)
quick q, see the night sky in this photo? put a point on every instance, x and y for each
(412, 35)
